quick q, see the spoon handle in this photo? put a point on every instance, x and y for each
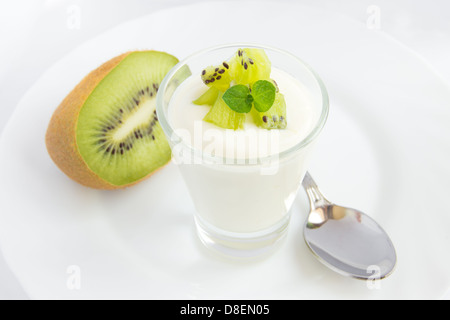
(316, 198)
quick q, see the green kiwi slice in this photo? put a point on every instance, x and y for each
(222, 116)
(250, 65)
(118, 134)
(218, 77)
(275, 117)
(207, 98)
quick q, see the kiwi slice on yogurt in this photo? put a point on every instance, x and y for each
(207, 98)
(275, 117)
(222, 116)
(106, 134)
(250, 65)
(218, 77)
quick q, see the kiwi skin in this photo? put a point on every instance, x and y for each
(61, 134)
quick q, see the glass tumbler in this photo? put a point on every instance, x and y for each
(242, 206)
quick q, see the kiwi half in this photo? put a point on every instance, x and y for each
(106, 134)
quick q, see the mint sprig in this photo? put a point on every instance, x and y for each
(239, 98)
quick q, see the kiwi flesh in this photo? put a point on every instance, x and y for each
(207, 98)
(275, 117)
(106, 133)
(218, 77)
(250, 65)
(222, 116)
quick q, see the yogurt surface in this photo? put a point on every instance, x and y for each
(251, 142)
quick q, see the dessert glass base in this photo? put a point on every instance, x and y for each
(242, 245)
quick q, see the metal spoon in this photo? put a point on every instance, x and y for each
(346, 240)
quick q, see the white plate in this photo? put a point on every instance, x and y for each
(385, 150)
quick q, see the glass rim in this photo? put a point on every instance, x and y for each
(170, 132)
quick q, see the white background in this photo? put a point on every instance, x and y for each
(34, 34)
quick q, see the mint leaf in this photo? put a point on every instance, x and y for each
(238, 98)
(263, 93)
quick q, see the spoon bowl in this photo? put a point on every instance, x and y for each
(346, 240)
